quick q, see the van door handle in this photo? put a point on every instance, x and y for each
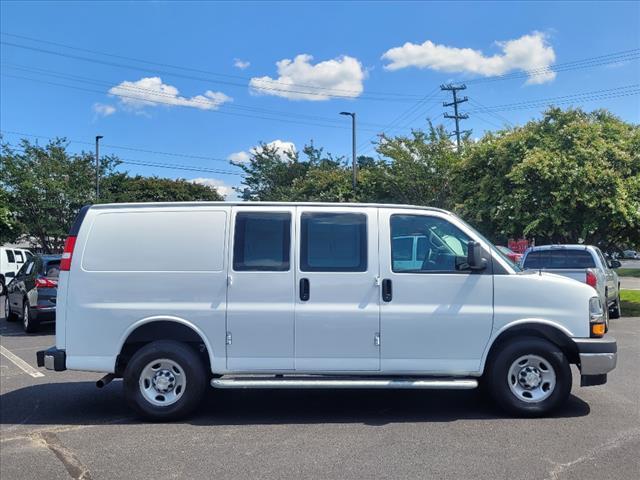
(304, 289)
(387, 290)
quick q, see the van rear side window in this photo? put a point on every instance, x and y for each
(333, 242)
(10, 257)
(148, 241)
(262, 241)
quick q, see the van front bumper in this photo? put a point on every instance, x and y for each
(598, 356)
(52, 359)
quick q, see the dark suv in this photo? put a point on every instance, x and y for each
(31, 295)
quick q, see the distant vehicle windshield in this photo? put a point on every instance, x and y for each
(560, 259)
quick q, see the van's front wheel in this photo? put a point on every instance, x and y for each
(164, 380)
(530, 377)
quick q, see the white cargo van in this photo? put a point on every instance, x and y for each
(174, 297)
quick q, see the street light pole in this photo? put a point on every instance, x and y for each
(98, 137)
(353, 148)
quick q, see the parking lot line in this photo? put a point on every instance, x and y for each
(21, 364)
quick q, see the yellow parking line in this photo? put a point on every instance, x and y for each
(21, 364)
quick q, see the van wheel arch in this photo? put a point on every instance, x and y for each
(534, 330)
(161, 330)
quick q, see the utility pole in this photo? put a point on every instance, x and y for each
(353, 148)
(98, 137)
(456, 116)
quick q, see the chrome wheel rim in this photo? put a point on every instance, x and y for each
(6, 307)
(531, 378)
(162, 382)
(25, 316)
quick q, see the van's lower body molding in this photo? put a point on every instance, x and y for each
(348, 382)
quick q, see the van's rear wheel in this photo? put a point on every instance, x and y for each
(165, 380)
(530, 377)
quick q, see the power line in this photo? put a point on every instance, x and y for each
(171, 166)
(583, 96)
(592, 62)
(191, 77)
(157, 100)
(484, 108)
(122, 147)
(156, 93)
(241, 77)
(392, 126)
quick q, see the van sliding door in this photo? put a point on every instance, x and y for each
(260, 292)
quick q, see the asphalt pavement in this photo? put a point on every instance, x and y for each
(59, 425)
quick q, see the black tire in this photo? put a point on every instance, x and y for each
(616, 310)
(192, 367)
(498, 380)
(29, 320)
(9, 316)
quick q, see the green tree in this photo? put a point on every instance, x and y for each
(122, 188)
(270, 174)
(421, 166)
(570, 177)
(44, 187)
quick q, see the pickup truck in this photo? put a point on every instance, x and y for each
(584, 263)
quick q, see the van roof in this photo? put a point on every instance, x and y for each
(266, 204)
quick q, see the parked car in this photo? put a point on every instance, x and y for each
(631, 254)
(511, 255)
(31, 295)
(313, 295)
(584, 263)
(11, 260)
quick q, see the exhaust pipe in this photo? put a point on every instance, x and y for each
(106, 380)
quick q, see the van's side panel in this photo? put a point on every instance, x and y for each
(135, 264)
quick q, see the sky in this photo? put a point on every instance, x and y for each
(189, 86)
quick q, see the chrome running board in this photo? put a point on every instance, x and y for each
(333, 382)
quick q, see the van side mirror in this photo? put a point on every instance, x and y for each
(475, 260)
(614, 264)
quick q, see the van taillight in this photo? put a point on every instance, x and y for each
(67, 254)
(592, 281)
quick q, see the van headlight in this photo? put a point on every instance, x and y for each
(597, 320)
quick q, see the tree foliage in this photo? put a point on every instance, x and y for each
(43, 187)
(570, 177)
(122, 188)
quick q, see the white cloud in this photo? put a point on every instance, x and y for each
(223, 189)
(103, 110)
(239, 157)
(151, 92)
(241, 64)
(282, 148)
(298, 79)
(529, 53)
